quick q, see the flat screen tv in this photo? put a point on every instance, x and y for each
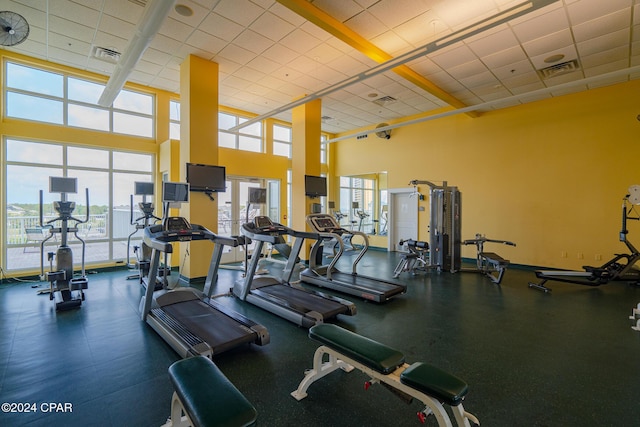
(143, 188)
(257, 196)
(206, 178)
(58, 184)
(173, 192)
(315, 186)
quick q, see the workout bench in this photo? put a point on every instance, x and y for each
(204, 397)
(430, 385)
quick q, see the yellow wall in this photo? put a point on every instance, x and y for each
(549, 175)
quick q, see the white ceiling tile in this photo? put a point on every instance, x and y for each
(466, 70)
(548, 43)
(514, 69)
(272, 26)
(366, 25)
(240, 12)
(175, 29)
(587, 10)
(453, 57)
(117, 27)
(505, 57)
(605, 57)
(263, 64)
(300, 41)
(124, 10)
(236, 54)
(493, 43)
(286, 14)
(394, 13)
(253, 41)
(601, 26)
(603, 43)
(551, 22)
(221, 27)
(280, 54)
(206, 42)
(341, 10)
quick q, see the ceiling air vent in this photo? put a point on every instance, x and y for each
(142, 3)
(105, 54)
(385, 100)
(326, 119)
(559, 69)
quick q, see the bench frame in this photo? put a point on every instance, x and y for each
(337, 361)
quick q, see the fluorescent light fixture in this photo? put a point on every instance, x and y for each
(485, 24)
(508, 99)
(154, 15)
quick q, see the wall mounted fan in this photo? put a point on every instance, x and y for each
(14, 29)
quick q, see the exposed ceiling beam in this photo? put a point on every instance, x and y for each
(336, 28)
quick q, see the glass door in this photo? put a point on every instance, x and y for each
(233, 211)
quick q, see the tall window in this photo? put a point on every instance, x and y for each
(323, 149)
(282, 140)
(174, 120)
(357, 202)
(45, 96)
(108, 175)
(248, 138)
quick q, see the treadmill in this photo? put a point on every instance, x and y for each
(301, 306)
(327, 276)
(190, 321)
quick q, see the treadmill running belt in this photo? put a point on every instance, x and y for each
(216, 329)
(368, 283)
(305, 300)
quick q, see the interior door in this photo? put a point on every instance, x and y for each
(233, 211)
(403, 217)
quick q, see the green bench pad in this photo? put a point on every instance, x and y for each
(207, 396)
(435, 382)
(370, 353)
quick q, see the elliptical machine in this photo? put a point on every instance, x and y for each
(61, 280)
(142, 252)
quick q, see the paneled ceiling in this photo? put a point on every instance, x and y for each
(271, 52)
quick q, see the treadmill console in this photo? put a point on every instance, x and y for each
(265, 225)
(324, 224)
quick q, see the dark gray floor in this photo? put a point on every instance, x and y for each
(531, 359)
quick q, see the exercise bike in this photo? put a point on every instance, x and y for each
(63, 287)
(490, 264)
(143, 252)
(620, 267)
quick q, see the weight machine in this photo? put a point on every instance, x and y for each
(61, 280)
(620, 267)
(444, 225)
(490, 264)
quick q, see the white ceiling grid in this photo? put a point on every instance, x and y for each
(269, 55)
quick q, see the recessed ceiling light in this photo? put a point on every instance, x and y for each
(373, 95)
(554, 58)
(183, 10)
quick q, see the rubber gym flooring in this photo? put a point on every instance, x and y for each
(568, 358)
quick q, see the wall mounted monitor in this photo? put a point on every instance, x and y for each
(175, 192)
(59, 184)
(315, 186)
(257, 196)
(206, 178)
(143, 188)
